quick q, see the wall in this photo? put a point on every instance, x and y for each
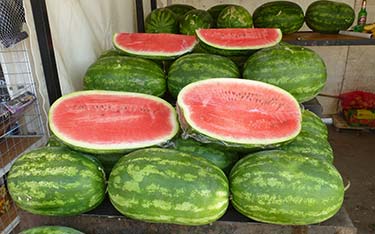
(349, 67)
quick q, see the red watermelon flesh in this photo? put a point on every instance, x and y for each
(108, 121)
(240, 38)
(154, 44)
(239, 111)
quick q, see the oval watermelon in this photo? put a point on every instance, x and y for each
(168, 186)
(215, 11)
(195, 19)
(112, 122)
(161, 20)
(329, 16)
(180, 10)
(51, 230)
(286, 188)
(298, 70)
(194, 67)
(238, 113)
(288, 16)
(56, 181)
(234, 16)
(123, 73)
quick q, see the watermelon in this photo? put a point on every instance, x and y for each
(222, 159)
(180, 10)
(238, 41)
(198, 66)
(56, 181)
(286, 188)
(329, 16)
(288, 16)
(110, 53)
(297, 69)
(238, 113)
(51, 230)
(234, 16)
(195, 19)
(112, 122)
(215, 11)
(313, 124)
(154, 45)
(161, 20)
(168, 186)
(123, 73)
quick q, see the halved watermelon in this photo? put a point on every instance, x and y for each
(238, 113)
(112, 122)
(236, 41)
(154, 45)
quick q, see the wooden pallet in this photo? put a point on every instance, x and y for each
(340, 124)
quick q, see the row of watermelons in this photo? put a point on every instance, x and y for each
(285, 174)
(321, 16)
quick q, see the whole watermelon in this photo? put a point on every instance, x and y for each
(288, 16)
(234, 16)
(168, 186)
(329, 16)
(180, 10)
(51, 230)
(195, 19)
(298, 70)
(286, 188)
(161, 20)
(197, 66)
(123, 73)
(215, 11)
(56, 181)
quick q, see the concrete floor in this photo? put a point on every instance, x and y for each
(355, 159)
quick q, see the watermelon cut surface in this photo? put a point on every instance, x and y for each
(112, 122)
(238, 112)
(240, 38)
(154, 45)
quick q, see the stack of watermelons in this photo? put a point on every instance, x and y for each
(178, 135)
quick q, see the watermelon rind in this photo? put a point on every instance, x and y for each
(168, 186)
(112, 148)
(234, 16)
(51, 230)
(227, 47)
(195, 19)
(190, 129)
(161, 20)
(286, 188)
(186, 47)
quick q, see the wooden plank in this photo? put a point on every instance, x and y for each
(319, 39)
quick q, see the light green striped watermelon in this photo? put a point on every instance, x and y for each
(313, 124)
(234, 16)
(286, 188)
(51, 230)
(298, 70)
(56, 181)
(239, 114)
(168, 186)
(215, 11)
(108, 122)
(180, 10)
(161, 20)
(198, 66)
(128, 74)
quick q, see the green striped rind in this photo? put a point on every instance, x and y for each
(225, 52)
(195, 19)
(286, 188)
(168, 186)
(313, 124)
(234, 16)
(222, 159)
(51, 230)
(215, 11)
(127, 74)
(329, 16)
(298, 70)
(110, 53)
(288, 16)
(56, 181)
(87, 147)
(161, 20)
(180, 10)
(198, 66)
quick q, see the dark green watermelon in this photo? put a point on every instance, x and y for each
(215, 11)
(234, 16)
(180, 10)
(161, 20)
(51, 230)
(195, 19)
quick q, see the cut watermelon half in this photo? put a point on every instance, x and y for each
(240, 38)
(154, 45)
(239, 113)
(112, 122)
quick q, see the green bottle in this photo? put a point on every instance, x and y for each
(362, 16)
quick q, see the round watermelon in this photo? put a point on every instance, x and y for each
(288, 16)
(161, 20)
(329, 16)
(286, 188)
(168, 186)
(234, 16)
(56, 181)
(123, 73)
(298, 70)
(215, 11)
(195, 19)
(197, 66)
(180, 10)
(51, 230)
(313, 124)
